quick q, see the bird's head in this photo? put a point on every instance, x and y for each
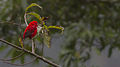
(34, 22)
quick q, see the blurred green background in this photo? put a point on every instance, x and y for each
(91, 37)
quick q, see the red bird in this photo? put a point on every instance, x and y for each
(31, 30)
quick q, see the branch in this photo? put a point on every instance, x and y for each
(11, 23)
(20, 64)
(12, 58)
(33, 54)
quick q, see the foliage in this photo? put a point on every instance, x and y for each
(88, 25)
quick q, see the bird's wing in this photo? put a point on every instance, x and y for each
(28, 33)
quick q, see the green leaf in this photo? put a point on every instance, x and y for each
(110, 51)
(97, 51)
(14, 54)
(68, 61)
(21, 42)
(35, 15)
(31, 5)
(46, 40)
(10, 52)
(45, 26)
(54, 29)
(3, 47)
(22, 59)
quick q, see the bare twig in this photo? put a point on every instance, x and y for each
(11, 23)
(4, 22)
(29, 52)
(25, 19)
(20, 64)
(12, 58)
(42, 49)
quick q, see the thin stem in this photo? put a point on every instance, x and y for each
(33, 46)
(20, 64)
(13, 58)
(6, 22)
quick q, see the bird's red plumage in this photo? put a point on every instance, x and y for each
(31, 30)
